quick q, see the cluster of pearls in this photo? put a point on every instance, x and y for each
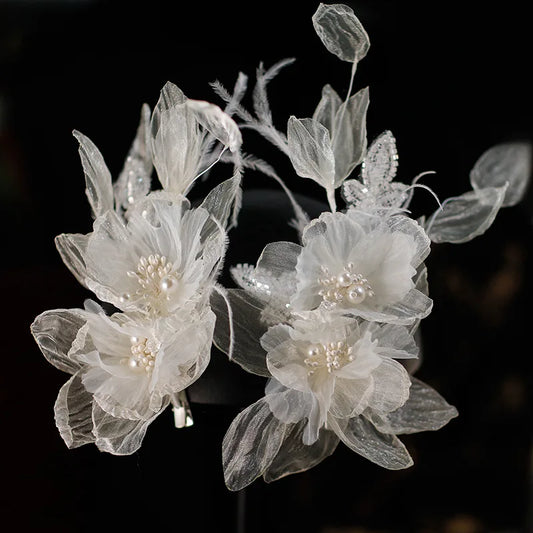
(155, 277)
(332, 356)
(143, 354)
(348, 287)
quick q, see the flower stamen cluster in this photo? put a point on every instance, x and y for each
(331, 356)
(348, 287)
(143, 354)
(156, 278)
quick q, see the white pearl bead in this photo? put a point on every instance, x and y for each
(312, 352)
(166, 284)
(343, 279)
(357, 294)
(133, 363)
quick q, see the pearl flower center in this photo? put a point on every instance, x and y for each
(348, 287)
(155, 277)
(143, 354)
(331, 356)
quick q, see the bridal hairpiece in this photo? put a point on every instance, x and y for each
(330, 321)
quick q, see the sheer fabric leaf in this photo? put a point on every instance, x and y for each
(99, 188)
(464, 217)
(73, 413)
(246, 326)
(361, 436)
(250, 445)
(310, 151)
(504, 163)
(341, 32)
(425, 410)
(175, 141)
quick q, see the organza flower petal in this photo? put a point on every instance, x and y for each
(181, 363)
(221, 202)
(251, 444)
(391, 386)
(425, 410)
(119, 436)
(288, 405)
(55, 331)
(361, 436)
(73, 413)
(395, 342)
(294, 456)
(284, 359)
(221, 125)
(279, 258)
(72, 248)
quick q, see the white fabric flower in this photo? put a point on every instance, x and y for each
(334, 379)
(338, 368)
(165, 257)
(362, 265)
(125, 370)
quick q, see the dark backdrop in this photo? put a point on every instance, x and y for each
(450, 79)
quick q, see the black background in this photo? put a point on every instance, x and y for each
(449, 80)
